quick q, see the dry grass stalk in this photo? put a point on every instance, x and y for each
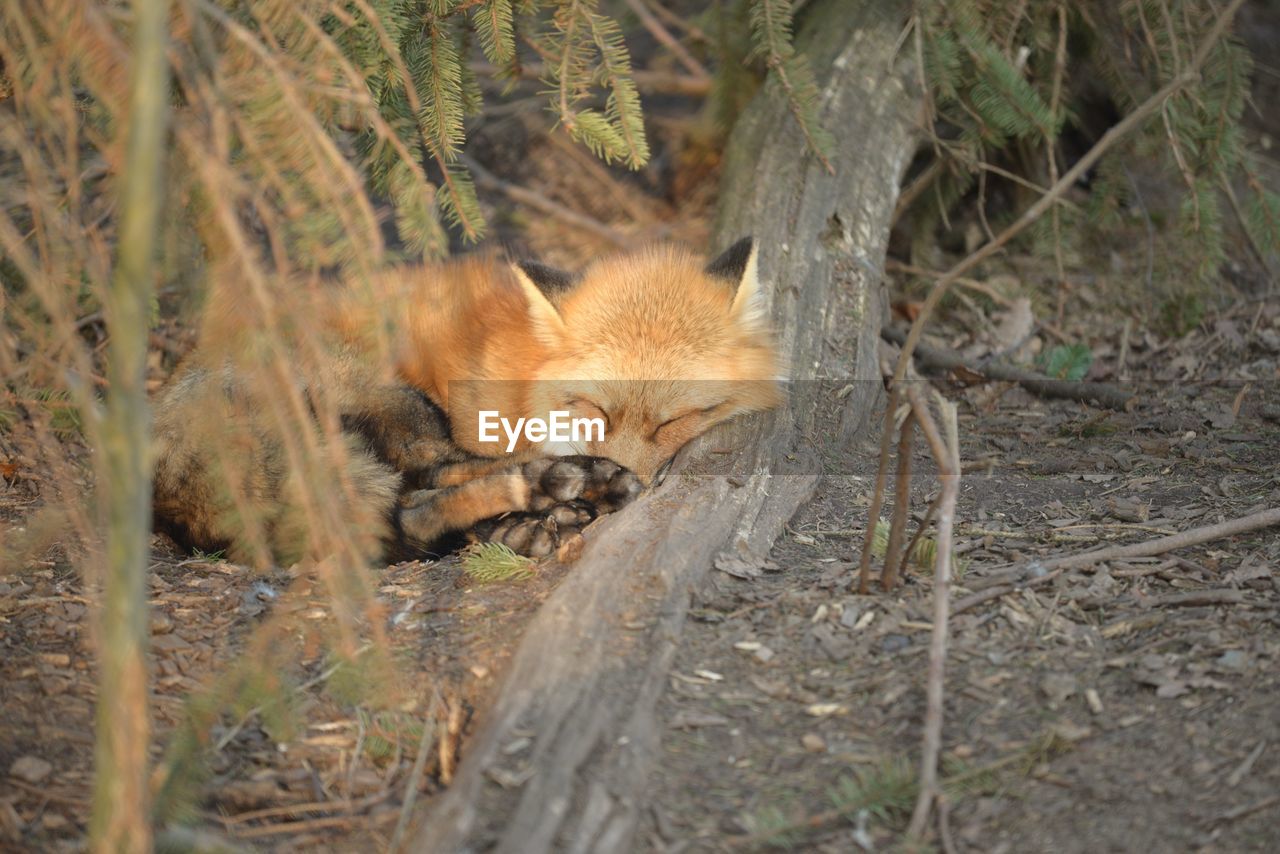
(121, 819)
(947, 456)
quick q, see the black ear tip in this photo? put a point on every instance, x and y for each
(549, 280)
(732, 263)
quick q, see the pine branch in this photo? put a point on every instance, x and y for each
(623, 105)
(772, 42)
(497, 34)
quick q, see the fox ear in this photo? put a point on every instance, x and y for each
(549, 280)
(548, 325)
(738, 265)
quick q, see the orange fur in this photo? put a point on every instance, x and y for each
(657, 345)
(650, 340)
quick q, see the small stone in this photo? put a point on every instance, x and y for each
(849, 618)
(1094, 700)
(813, 742)
(31, 769)
(764, 653)
(1058, 687)
(893, 643)
(1232, 659)
(169, 643)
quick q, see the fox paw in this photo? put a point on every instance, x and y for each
(557, 529)
(602, 483)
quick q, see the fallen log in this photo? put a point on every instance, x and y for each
(560, 758)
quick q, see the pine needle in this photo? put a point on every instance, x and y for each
(488, 563)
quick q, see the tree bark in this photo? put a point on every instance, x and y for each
(585, 681)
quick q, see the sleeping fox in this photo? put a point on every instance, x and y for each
(382, 402)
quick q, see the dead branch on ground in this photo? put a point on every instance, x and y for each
(1195, 536)
(1042, 385)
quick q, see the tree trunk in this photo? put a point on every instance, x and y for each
(587, 676)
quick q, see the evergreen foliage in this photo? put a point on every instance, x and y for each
(771, 43)
(753, 43)
(1007, 78)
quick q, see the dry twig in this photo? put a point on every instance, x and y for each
(1195, 536)
(530, 198)
(877, 494)
(415, 776)
(894, 558)
(664, 37)
(948, 459)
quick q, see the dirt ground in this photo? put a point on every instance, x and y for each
(1133, 705)
(1162, 705)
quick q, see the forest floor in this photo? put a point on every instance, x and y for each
(1127, 706)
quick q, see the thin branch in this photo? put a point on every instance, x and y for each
(924, 526)
(664, 37)
(415, 775)
(877, 494)
(947, 456)
(659, 82)
(692, 31)
(916, 188)
(1050, 144)
(895, 266)
(1195, 536)
(121, 819)
(487, 180)
(1258, 254)
(894, 558)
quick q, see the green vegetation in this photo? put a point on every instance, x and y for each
(486, 563)
(1067, 361)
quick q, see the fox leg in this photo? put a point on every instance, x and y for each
(568, 493)
(532, 508)
(536, 534)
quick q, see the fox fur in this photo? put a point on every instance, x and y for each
(356, 419)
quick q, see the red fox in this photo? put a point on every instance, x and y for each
(651, 349)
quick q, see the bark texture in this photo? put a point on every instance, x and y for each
(584, 683)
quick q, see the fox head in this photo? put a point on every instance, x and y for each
(657, 344)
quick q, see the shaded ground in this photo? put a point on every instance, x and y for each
(1113, 710)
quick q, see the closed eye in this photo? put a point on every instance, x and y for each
(589, 410)
(692, 413)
